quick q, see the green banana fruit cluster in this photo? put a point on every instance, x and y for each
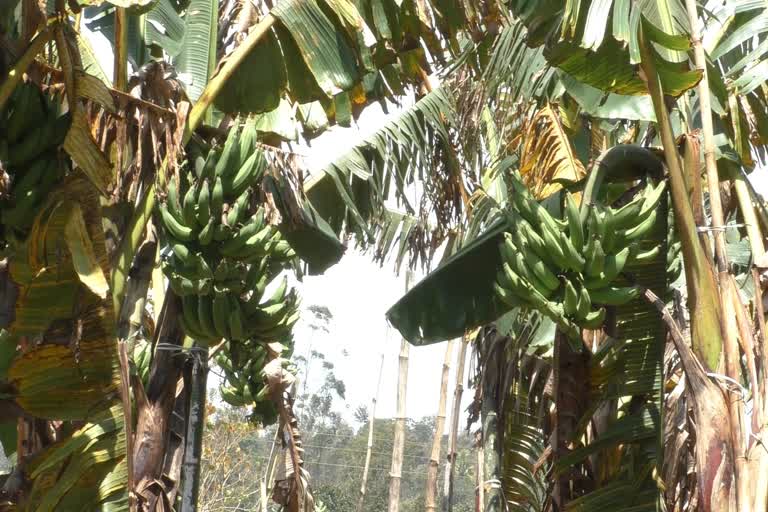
(244, 382)
(32, 128)
(223, 251)
(567, 268)
(224, 259)
(142, 358)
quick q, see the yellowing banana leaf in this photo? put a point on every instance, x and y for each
(83, 470)
(83, 256)
(325, 51)
(93, 88)
(68, 383)
(79, 144)
(547, 155)
(47, 278)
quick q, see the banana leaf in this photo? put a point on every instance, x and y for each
(458, 295)
(83, 470)
(71, 370)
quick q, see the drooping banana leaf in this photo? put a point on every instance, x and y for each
(68, 368)
(84, 470)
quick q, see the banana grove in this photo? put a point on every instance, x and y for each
(575, 176)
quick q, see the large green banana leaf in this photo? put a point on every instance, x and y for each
(576, 38)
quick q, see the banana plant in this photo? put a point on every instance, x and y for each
(182, 75)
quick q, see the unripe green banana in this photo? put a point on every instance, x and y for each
(645, 256)
(553, 243)
(540, 270)
(255, 246)
(230, 155)
(584, 305)
(203, 211)
(232, 397)
(189, 207)
(175, 228)
(206, 234)
(221, 313)
(626, 216)
(595, 258)
(652, 199)
(609, 230)
(251, 170)
(514, 257)
(640, 231)
(614, 264)
(222, 232)
(211, 162)
(190, 329)
(574, 259)
(593, 319)
(248, 138)
(614, 295)
(237, 210)
(570, 298)
(185, 286)
(189, 310)
(217, 197)
(575, 227)
(237, 242)
(172, 199)
(235, 319)
(205, 316)
(279, 295)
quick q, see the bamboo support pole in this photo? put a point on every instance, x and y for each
(399, 435)
(369, 448)
(455, 413)
(430, 500)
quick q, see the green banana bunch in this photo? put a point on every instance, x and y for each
(567, 268)
(222, 255)
(142, 358)
(31, 131)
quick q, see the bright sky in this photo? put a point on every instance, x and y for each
(358, 293)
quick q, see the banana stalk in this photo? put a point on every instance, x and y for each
(703, 295)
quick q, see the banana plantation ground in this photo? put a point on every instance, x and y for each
(573, 180)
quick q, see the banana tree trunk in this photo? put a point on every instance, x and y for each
(491, 483)
(154, 407)
(703, 296)
(571, 389)
(193, 449)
